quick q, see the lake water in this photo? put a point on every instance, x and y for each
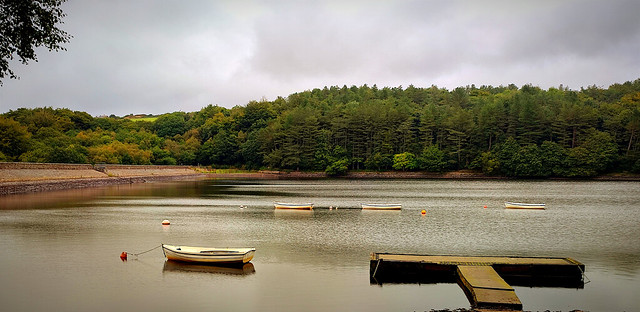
(60, 250)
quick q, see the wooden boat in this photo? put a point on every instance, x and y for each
(208, 254)
(382, 206)
(510, 205)
(307, 206)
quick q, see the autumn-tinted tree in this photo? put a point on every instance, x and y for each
(14, 138)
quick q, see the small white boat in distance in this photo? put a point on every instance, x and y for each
(381, 206)
(510, 205)
(307, 206)
(208, 254)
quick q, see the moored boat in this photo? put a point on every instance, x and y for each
(381, 206)
(510, 205)
(307, 206)
(208, 254)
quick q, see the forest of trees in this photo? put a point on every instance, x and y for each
(506, 131)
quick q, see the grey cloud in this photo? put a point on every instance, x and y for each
(161, 56)
(366, 41)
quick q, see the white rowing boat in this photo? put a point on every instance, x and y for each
(208, 254)
(510, 205)
(381, 206)
(307, 206)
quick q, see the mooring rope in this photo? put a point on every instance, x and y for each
(376, 270)
(137, 254)
(584, 275)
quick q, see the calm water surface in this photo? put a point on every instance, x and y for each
(60, 250)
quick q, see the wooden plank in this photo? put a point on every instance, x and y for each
(482, 277)
(487, 289)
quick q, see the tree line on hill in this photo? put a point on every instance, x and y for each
(505, 130)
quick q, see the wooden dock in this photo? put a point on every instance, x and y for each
(485, 280)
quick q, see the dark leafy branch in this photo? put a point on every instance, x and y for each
(26, 25)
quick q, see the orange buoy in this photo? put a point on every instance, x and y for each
(485, 206)
(423, 212)
(123, 256)
(166, 222)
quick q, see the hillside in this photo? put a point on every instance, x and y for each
(503, 131)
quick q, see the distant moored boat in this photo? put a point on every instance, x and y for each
(307, 206)
(382, 206)
(510, 205)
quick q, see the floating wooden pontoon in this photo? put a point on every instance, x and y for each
(485, 280)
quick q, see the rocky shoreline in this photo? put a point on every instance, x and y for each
(16, 178)
(9, 188)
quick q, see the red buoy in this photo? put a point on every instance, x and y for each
(123, 256)
(485, 206)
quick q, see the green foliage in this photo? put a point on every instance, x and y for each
(14, 138)
(404, 161)
(338, 168)
(162, 157)
(432, 159)
(634, 169)
(553, 159)
(528, 161)
(169, 125)
(506, 157)
(489, 163)
(595, 155)
(379, 161)
(117, 152)
(222, 149)
(508, 131)
(76, 154)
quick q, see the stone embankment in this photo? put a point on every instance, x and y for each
(37, 177)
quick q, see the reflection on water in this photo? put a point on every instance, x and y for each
(293, 213)
(238, 269)
(69, 242)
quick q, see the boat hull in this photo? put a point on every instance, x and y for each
(509, 205)
(307, 206)
(381, 206)
(208, 255)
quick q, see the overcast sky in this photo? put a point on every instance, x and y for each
(159, 56)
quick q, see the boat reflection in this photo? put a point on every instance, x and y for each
(230, 269)
(292, 213)
(380, 212)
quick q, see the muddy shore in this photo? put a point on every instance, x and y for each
(16, 178)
